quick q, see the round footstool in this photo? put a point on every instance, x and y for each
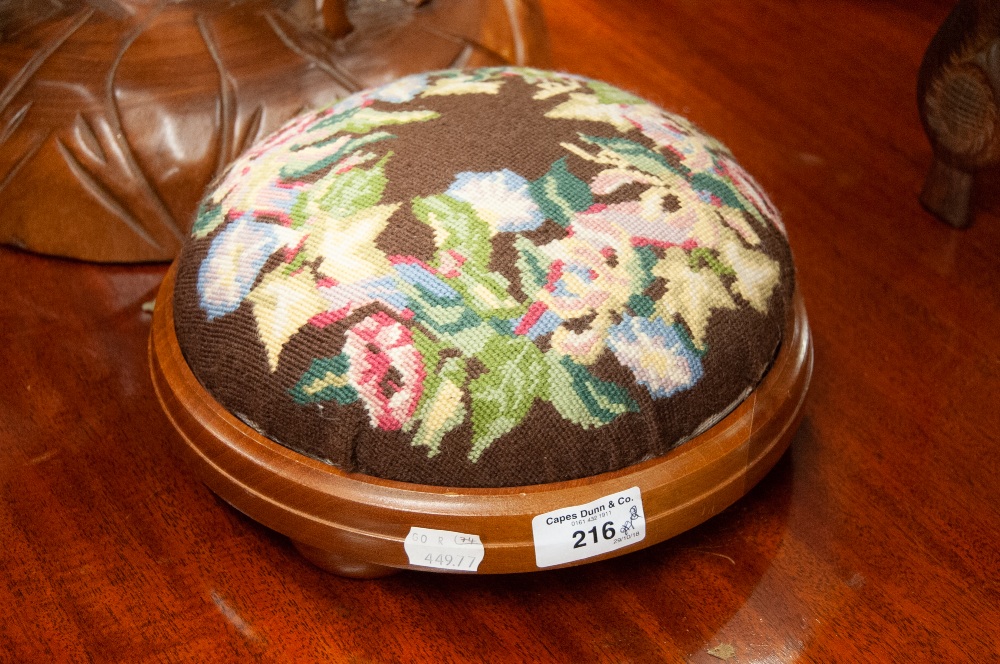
(494, 320)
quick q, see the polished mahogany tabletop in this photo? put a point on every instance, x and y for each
(876, 537)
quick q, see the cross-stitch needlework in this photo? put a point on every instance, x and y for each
(494, 277)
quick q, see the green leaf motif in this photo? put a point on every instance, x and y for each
(641, 305)
(638, 155)
(532, 264)
(560, 194)
(442, 407)
(300, 210)
(208, 219)
(718, 188)
(641, 270)
(581, 397)
(344, 194)
(703, 254)
(300, 167)
(428, 348)
(456, 227)
(325, 380)
(334, 120)
(472, 340)
(609, 94)
(441, 314)
(486, 292)
(296, 264)
(362, 119)
(503, 395)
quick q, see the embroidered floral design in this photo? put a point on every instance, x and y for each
(660, 356)
(636, 277)
(385, 369)
(234, 260)
(500, 198)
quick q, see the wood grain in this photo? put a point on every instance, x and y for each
(355, 525)
(130, 108)
(875, 538)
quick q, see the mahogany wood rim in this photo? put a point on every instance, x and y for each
(365, 519)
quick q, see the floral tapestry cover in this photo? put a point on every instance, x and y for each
(494, 277)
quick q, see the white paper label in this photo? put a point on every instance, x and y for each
(584, 531)
(444, 549)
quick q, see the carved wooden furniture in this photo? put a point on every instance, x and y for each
(506, 306)
(958, 90)
(115, 114)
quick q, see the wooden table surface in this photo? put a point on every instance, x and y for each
(876, 538)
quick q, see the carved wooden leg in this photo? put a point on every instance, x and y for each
(342, 565)
(948, 193)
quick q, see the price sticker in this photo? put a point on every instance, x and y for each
(584, 531)
(444, 549)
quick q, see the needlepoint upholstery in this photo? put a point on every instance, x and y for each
(495, 277)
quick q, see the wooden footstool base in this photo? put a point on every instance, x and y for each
(355, 525)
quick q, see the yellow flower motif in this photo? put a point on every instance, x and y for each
(348, 245)
(757, 275)
(461, 84)
(281, 305)
(584, 106)
(692, 294)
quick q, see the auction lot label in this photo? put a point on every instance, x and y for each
(584, 531)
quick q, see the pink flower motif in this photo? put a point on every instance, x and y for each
(590, 277)
(672, 133)
(386, 369)
(752, 191)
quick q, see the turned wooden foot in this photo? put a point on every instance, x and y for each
(342, 565)
(948, 193)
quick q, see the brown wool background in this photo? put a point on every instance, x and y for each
(476, 132)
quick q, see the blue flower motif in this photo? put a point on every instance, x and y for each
(348, 103)
(386, 291)
(234, 260)
(659, 355)
(416, 274)
(402, 90)
(501, 198)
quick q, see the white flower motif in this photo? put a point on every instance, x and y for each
(501, 198)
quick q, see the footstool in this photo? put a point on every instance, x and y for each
(492, 320)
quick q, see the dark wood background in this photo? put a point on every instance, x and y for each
(876, 538)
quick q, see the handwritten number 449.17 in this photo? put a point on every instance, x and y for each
(448, 560)
(607, 531)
